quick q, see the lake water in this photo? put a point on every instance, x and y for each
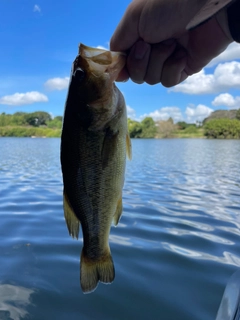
(176, 246)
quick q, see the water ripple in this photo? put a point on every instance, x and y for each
(174, 249)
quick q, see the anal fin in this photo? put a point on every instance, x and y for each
(72, 221)
(118, 212)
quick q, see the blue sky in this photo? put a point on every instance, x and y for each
(39, 41)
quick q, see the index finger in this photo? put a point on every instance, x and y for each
(126, 33)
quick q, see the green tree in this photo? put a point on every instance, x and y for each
(238, 114)
(38, 118)
(222, 128)
(191, 129)
(134, 128)
(149, 129)
(59, 118)
(5, 119)
(55, 123)
(19, 119)
(181, 125)
(2, 119)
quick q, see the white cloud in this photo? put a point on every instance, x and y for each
(36, 8)
(231, 53)
(164, 114)
(225, 76)
(57, 83)
(131, 113)
(102, 47)
(198, 113)
(199, 83)
(227, 100)
(19, 99)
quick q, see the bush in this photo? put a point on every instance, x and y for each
(134, 128)
(149, 128)
(191, 129)
(22, 124)
(238, 114)
(28, 132)
(222, 128)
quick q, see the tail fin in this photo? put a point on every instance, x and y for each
(91, 272)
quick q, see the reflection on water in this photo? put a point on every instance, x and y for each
(207, 236)
(174, 249)
(13, 301)
(227, 257)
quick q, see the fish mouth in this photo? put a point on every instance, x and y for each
(102, 55)
(102, 61)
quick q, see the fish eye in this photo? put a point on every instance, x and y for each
(79, 74)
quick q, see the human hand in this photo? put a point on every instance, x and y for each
(159, 48)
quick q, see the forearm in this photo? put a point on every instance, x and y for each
(227, 13)
(233, 15)
(209, 9)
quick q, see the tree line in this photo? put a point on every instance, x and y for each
(35, 119)
(148, 128)
(23, 124)
(41, 123)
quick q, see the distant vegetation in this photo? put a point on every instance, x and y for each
(147, 128)
(144, 129)
(22, 124)
(223, 124)
(222, 129)
(223, 114)
(220, 124)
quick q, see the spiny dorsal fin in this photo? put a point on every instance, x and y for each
(129, 147)
(72, 222)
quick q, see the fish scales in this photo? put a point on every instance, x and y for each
(93, 154)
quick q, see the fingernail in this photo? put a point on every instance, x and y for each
(141, 49)
(138, 82)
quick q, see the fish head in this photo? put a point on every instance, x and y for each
(96, 70)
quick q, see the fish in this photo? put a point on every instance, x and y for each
(94, 146)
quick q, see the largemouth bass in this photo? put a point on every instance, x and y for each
(94, 145)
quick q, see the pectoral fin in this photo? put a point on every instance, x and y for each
(71, 220)
(129, 147)
(118, 212)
